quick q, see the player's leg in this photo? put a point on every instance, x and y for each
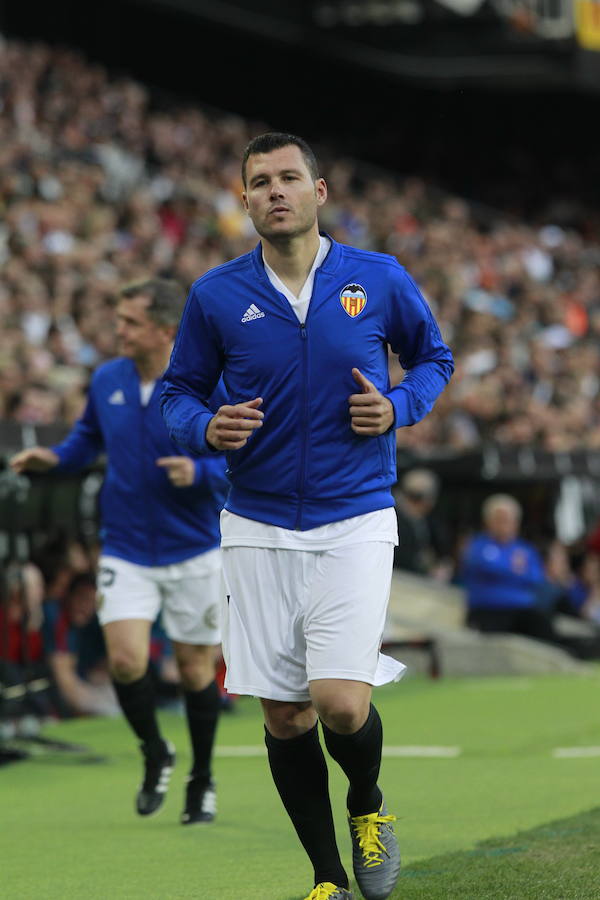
(354, 736)
(263, 645)
(202, 706)
(344, 626)
(192, 593)
(128, 603)
(300, 774)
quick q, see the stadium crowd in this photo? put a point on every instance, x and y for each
(101, 183)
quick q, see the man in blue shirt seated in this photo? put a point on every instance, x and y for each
(503, 575)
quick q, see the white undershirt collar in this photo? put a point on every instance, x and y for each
(300, 303)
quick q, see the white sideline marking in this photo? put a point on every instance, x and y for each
(241, 750)
(443, 752)
(511, 683)
(575, 752)
(432, 752)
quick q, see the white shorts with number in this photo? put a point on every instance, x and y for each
(188, 593)
(293, 616)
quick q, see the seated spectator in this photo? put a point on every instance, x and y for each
(503, 575)
(22, 666)
(562, 591)
(585, 589)
(420, 545)
(75, 651)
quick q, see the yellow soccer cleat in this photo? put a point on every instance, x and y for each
(328, 891)
(375, 853)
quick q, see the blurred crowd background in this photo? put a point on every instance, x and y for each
(98, 187)
(102, 182)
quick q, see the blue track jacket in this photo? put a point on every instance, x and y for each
(501, 576)
(145, 519)
(305, 467)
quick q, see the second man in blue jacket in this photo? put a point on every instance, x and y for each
(160, 540)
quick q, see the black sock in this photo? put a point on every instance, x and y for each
(300, 774)
(359, 755)
(202, 710)
(138, 702)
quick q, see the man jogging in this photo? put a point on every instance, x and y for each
(160, 540)
(300, 330)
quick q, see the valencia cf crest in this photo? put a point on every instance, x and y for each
(354, 299)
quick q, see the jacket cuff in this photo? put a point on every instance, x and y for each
(401, 402)
(57, 449)
(201, 426)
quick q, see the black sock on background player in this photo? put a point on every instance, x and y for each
(359, 756)
(138, 702)
(300, 774)
(202, 710)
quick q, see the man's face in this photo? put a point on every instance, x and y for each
(137, 334)
(503, 524)
(281, 196)
(82, 605)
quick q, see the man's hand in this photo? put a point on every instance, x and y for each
(231, 426)
(36, 459)
(181, 470)
(518, 561)
(370, 412)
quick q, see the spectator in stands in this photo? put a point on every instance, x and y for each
(59, 559)
(503, 575)
(421, 546)
(564, 590)
(585, 590)
(22, 661)
(75, 651)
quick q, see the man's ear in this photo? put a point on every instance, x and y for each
(321, 191)
(169, 332)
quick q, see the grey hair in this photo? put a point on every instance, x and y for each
(501, 501)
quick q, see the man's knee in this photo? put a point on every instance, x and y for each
(196, 666)
(287, 720)
(342, 706)
(127, 665)
(128, 647)
(344, 716)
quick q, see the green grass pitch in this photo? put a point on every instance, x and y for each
(504, 819)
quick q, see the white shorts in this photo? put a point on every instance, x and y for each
(294, 616)
(188, 593)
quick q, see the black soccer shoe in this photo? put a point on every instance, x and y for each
(157, 773)
(200, 801)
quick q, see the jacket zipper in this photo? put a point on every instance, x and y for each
(143, 430)
(304, 408)
(303, 401)
(303, 423)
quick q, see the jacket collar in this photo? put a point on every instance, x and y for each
(329, 264)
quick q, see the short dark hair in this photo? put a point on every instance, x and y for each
(166, 296)
(81, 579)
(275, 140)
